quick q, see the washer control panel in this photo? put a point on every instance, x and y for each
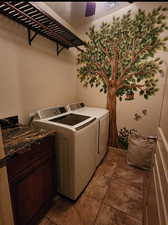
(49, 112)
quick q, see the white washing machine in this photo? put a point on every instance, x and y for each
(75, 148)
(103, 125)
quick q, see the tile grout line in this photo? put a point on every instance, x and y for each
(131, 186)
(100, 206)
(79, 215)
(122, 212)
(112, 207)
(52, 223)
(124, 183)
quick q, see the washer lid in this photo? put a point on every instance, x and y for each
(92, 111)
(70, 119)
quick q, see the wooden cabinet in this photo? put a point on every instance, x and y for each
(31, 179)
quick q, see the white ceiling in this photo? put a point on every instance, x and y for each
(74, 12)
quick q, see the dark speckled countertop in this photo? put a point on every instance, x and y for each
(17, 139)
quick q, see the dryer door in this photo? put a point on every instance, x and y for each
(103, 137)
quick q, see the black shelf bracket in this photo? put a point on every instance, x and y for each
(59, 48)
(30, 36)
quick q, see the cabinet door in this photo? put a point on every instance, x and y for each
(31, 192)
(152, 217)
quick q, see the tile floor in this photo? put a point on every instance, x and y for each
(114, 196)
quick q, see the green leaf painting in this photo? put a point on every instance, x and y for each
(119, 58)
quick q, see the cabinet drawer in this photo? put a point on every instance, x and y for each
(42, 147)
(37, 150)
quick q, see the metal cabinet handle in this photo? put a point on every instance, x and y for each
(38, 142)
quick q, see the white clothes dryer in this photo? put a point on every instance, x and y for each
(102, 116)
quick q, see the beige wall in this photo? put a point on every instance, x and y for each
(126, 109)
(32, 77)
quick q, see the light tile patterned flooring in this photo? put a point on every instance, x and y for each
(114, 196)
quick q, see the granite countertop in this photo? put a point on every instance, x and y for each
(18, 139)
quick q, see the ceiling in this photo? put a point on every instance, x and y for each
(74, 12)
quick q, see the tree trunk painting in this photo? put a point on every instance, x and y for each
(113, 133)
(119, 58)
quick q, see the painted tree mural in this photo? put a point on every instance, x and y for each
(119, 58)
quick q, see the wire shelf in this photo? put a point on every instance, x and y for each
(37, 20)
